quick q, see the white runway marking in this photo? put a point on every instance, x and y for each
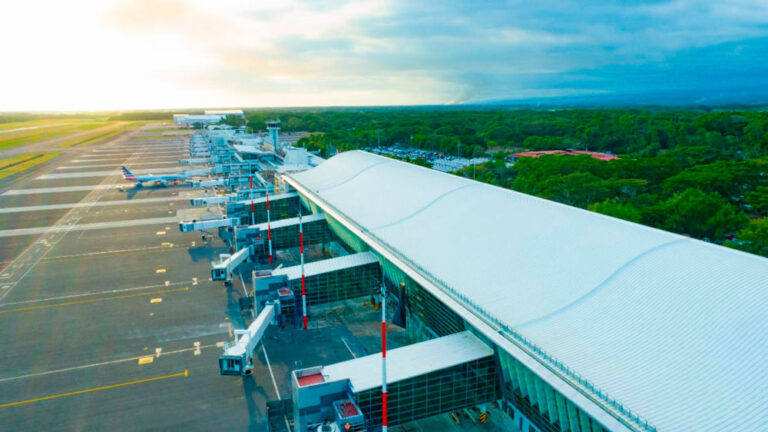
(119, 160)
(88, 226)
(80, 174)
(31, 127)
(66, 189)
(112, 165)
(96, 204)
(134, 148)
(143, 152)
(128, 152)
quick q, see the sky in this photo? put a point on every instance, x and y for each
(143, 54)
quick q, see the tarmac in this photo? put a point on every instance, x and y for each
(110, 320)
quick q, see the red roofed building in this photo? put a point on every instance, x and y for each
(535, 154)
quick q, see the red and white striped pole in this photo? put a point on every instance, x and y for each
(303, 281)
(253, 211)
(383, 358)
(269, 231)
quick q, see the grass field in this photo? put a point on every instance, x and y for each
(15, 165)
(97, 136)
(21, 133)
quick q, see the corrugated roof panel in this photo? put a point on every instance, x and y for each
(328, 265)
(409, 361)
(280, 223)
(670, 326)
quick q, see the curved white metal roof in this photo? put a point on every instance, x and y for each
(671, 327)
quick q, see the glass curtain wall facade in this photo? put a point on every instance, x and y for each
(280, 209)
(438, 392)
(342, 284)
(539, 402)
(315, 232)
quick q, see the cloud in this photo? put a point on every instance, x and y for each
(367, 52)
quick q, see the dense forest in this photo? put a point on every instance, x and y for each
(695, 172)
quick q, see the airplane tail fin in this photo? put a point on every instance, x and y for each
(127, 175)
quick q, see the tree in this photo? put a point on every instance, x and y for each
(753, 238)
(758, 200)
(619, 210)
(702, 215)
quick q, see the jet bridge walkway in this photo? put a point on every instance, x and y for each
(335, 279)
(425, 379)
(281, 206)
(285, 232)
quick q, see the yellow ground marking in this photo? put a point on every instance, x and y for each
(151, 314)
(165, 244)
(167, 228)
(160, 233)
(167, 283)
(193, 244)
(160, 270)
(170, 212)
(107, 387)
(146, 348)
(156, 300)
(31, 308)
(146, 360)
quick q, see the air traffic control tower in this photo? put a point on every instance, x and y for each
(273, 126)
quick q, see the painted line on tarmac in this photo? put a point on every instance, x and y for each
(269, 366)
(88, 226)
(133, 150)
(66, 189)
(95, 204)
(106, 363)
(112, 165)
(168, 246)
(98, 300)
(129, 148)
(115, 291)
(119, 160)
(147, 154)
(81, 174)
(107, 387)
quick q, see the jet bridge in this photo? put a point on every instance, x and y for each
(237, 358)
(274, 302)
(209, 183)
(227, 264)
(199, 161)
(284, 232)
(209, 200)
(335, 279)
(206, 224)
(255, 210)
(425, 379)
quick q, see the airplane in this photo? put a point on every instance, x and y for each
(159, 179)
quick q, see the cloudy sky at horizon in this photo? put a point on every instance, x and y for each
(124, 54)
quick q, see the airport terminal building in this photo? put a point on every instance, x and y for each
(571, 320)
